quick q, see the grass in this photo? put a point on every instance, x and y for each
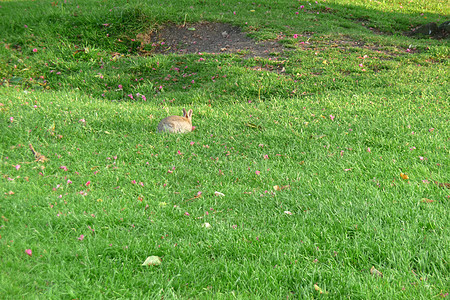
(335, 132)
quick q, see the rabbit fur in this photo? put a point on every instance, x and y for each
(177, 124)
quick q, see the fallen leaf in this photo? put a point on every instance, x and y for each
(152, 261)
(404, 176)
(442, 185)
(78, 51)
(317, 288)
(39, 157)
(280, 188)
(199, 194)
(51, 129)
(287, 212)
(206, 225)
(251, 125)
(375, 272)
(426, 200)
(317, 136)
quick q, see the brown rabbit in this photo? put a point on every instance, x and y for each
(177, 124)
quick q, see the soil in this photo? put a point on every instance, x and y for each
(206, 37)
(209, 37)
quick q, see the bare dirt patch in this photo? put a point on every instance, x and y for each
(206, 37)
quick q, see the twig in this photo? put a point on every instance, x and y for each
(39, 157)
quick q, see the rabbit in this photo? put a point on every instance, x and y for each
(177, 124)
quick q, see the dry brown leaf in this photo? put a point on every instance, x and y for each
(375, 272)
(78, 51)
(39, 157)
(280, 188)
(426, 200)
(404, 176)
(199, 194)
(442, 184)
(317, 288)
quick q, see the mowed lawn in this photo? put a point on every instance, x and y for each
(318, 171)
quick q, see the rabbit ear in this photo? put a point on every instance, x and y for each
(184, 113)
(189, 114)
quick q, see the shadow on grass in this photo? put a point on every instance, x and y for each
(94, 48)
(101, 26)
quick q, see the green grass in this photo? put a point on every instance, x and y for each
(335, 134)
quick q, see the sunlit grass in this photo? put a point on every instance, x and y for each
(331, 166)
